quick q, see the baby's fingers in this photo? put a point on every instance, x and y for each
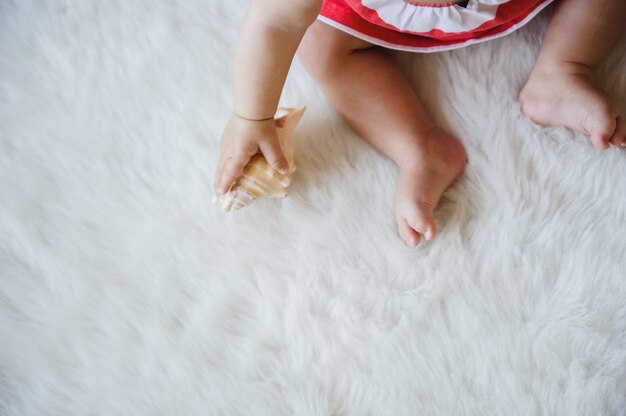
(232, 168)
(274, 156)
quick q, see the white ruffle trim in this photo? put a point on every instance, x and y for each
(409, 17)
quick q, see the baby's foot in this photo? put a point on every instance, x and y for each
(424, 176)
(567, 96)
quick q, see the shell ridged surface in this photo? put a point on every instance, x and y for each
(259, 179)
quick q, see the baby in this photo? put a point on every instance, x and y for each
(339, 43)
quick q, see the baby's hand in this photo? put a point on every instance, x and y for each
(241, 140)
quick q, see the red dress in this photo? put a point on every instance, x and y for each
(420, 27)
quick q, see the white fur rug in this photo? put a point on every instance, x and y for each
(124, 291)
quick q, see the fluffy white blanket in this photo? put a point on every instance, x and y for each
(124, 291)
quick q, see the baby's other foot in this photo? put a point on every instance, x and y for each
(567, 96)
(424, 176)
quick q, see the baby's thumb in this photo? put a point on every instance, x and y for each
(274, 156)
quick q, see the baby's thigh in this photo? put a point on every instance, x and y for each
(323, 38)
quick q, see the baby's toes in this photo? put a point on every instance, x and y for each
(420, 218)
(619, 135)
(408, 235)
(600, 123)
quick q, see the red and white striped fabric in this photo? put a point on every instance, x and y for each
(423, 27)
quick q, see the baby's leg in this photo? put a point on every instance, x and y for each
(561, 91)
(368, 89)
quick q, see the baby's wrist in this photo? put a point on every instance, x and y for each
(247, 118)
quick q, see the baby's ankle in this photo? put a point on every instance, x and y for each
(556, 67)
(435, 146)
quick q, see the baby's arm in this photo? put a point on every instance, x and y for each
(267, 43)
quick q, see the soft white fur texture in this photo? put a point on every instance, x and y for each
(124, 291)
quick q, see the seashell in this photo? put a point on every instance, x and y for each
(259, 179)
